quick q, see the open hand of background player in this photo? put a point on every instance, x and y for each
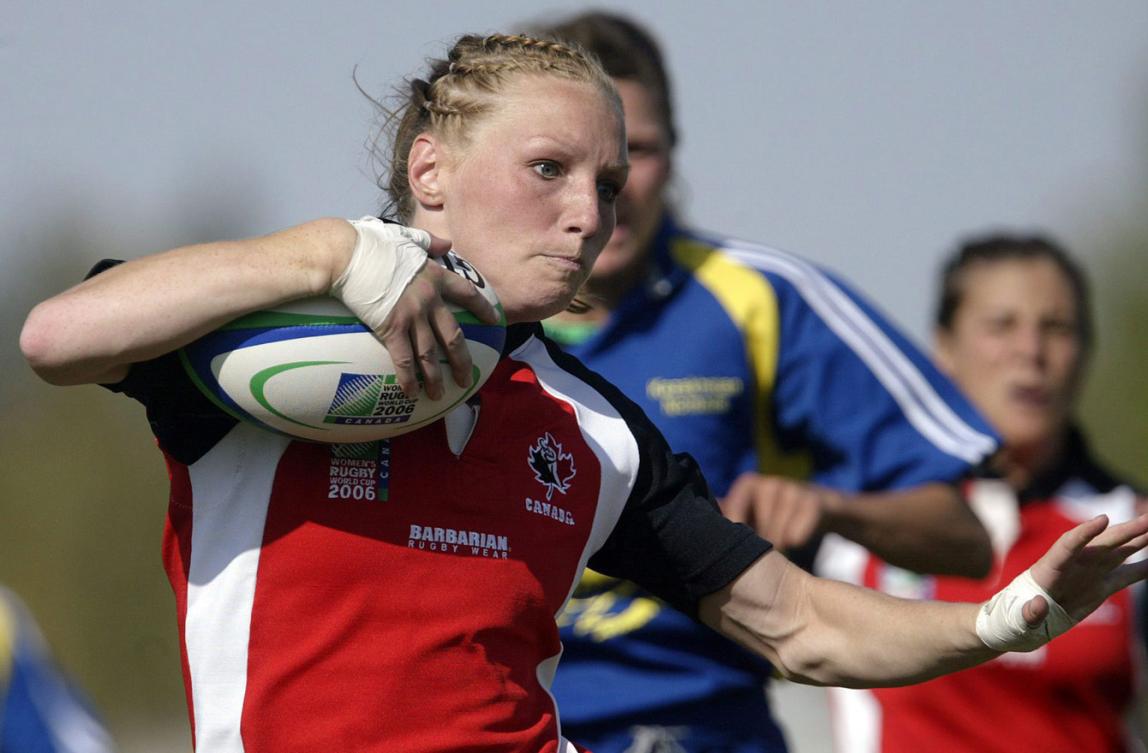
(785, 512)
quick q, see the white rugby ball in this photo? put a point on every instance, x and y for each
(311, 370)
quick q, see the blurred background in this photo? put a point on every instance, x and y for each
(868, 137)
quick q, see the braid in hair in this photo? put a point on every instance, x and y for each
(465, 86)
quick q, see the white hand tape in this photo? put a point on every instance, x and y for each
(385, 260)
(1001, 625)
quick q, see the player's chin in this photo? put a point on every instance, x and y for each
(561, 284)
(541, 307)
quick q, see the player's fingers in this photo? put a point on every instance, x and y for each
(438, 246)
(787, 510)
(1123, 533)
(399, 331)
(1074, 540)
(398, 344)
(462, 292)
(1034, 611)
(733, 506)
(1126, 550)
(784, 510)
(1115, 545)
(808, 520)
(1077, 553)
(754, 490)
(427, 354)
(737, 503)
(1126, 575)
(450, 336)
(808, 515)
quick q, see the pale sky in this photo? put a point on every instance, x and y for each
(865, 136)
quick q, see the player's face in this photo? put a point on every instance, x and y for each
(1015, 348)
(529, 198)
(642, 202)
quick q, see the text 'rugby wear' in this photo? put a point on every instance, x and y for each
(748, 359)
(396, 596)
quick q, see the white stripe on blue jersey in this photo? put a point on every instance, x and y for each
(926, 410)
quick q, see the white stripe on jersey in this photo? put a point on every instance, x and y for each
(605, 432)
(229, 510)
(545, 673)
(924, 408)
(565, 746)
(856, 718)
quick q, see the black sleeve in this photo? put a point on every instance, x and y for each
(670, 539)
(185, 423)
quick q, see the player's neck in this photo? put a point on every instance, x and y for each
(1029, 462)
(605, 294)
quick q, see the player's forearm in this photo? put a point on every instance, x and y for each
(825, 632)
(927, 529)
(863, 638)
(150, 306)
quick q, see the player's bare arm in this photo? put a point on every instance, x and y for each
(144, 308)
(150, 306)
(826, 632)
(928, 529)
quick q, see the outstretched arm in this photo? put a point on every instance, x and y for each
(928, 528)
(830, 633)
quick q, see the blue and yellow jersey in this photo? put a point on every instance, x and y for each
(40, 710)
(747, 358)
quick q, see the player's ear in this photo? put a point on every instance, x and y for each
(425, 168)
(943, 350)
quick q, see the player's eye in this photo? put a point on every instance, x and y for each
(547, 169)
(608, 191)
(1000, 324)
(1059, 327)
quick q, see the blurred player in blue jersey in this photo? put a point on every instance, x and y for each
(755, 362)
(40, 710)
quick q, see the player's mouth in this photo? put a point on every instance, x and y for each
(1031, 397)
(568, 262)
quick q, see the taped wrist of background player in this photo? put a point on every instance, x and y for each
(1000, 621)
(385, 260)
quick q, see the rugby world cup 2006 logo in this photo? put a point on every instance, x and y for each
(369, 399)
(553, 467)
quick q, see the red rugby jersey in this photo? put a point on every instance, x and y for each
(395, 596)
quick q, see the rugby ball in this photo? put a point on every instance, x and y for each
(311, 370)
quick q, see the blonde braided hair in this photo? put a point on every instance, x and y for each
(465, 86)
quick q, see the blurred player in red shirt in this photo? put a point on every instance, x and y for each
(1014, 330)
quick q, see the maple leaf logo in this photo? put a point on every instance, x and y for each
(552, 467)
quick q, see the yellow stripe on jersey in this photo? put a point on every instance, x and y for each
(595, 617)
(7, 641)
(751, 304)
